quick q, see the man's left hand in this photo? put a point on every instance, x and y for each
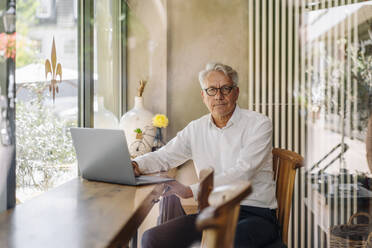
(176, 188)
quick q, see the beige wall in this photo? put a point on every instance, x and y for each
(147, 53)
(187, 35)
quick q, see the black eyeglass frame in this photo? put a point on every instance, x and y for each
(229, 89)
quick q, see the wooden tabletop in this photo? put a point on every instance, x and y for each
(79, 213)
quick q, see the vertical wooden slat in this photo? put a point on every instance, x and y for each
(302, 122)
(257, 78)
(263, 55)
(329, 80)
(270, 57)
(322, 214)
(289, 128)
(276, 79)
(335, 122)
(348, 84)
(342, 112)
(314, 78)
(336, 82)
(296, 74)
(331, 223)
(297, 200)
(322, 51)
(355, 83)
(250, 55)
(309, 56)
(348, 100)
(355, 199)
(289, 89)
(283, 70)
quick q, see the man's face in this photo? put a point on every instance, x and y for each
(219, 105)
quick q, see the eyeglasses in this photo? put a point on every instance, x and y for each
(225, 90)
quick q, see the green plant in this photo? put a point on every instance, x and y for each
(138, 130)
(361, 72)
(44, 146)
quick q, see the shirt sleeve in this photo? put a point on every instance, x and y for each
(195, 188)
(252, 156)
(174, 153)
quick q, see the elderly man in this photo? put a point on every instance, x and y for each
(237, 144)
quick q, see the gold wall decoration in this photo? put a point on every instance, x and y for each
(55, 70)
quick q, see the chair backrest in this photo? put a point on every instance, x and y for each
(285, 163)
(205, 187)
(219, 220)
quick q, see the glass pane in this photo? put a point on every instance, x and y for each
(46, 79)
(339, 104)
(107, 72)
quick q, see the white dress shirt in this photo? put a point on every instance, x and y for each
(239, 151)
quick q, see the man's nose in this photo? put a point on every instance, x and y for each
(219, 95)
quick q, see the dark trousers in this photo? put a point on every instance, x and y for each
(257, 227)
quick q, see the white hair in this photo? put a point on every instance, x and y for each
(227, 70)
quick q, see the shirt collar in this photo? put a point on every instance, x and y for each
(233, 119)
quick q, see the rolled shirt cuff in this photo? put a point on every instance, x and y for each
(144, 169)
(195, 189)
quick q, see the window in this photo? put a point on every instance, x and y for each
(107, 62)
(44, 113)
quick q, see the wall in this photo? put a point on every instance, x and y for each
(147, 53)
(186, 35)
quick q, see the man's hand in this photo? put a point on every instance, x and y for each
(136, 170)
(176, 188)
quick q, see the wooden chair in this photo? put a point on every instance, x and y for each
(219, 220)
(285, 163)
(205, 188)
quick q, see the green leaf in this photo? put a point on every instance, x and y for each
(138, 130)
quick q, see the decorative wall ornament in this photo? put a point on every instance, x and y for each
(141, 144)
(55, 70)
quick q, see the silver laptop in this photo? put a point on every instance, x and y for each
(103, 155)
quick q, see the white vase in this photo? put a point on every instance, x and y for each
(102, 117)
(138, 117)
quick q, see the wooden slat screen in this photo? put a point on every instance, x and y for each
(285, 73)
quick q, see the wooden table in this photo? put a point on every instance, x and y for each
(79, 213)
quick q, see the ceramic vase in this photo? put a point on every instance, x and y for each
(134, 119)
